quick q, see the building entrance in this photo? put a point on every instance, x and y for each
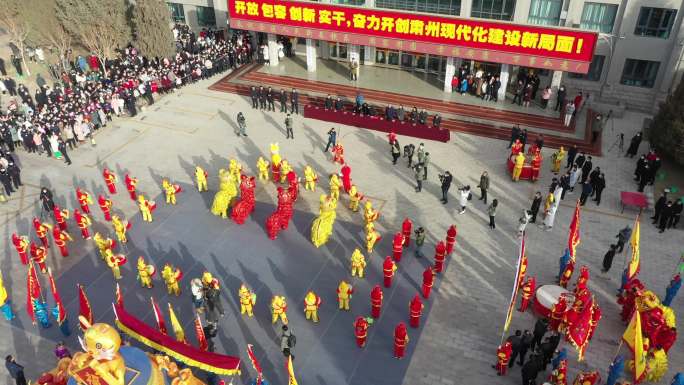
(410, 61)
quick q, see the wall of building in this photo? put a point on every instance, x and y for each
(190, 10)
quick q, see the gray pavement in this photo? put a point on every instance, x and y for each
(462, 321)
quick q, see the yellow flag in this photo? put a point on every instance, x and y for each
(176, 326)
(290, 372)
(635, 341)
(3, 291)
(636, 258)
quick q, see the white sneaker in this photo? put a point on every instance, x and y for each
(462, 211)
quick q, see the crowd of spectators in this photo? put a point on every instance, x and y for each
(58, 118)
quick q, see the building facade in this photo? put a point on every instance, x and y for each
(199, 14)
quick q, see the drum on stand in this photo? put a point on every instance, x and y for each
(546, 296)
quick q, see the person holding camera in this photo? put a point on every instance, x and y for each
(420, 240)
(464, 196)
(484, 186)
(445, 179)
(418, 171)
(287, 342)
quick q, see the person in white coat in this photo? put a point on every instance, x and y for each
(550, 217)
(575, 175)
(523, 221)
(463, 195)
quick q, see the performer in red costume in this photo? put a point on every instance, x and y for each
(41, 231)
(131, 183)
(536, 166)
(415, 311)
(440, 251)
(21, 243)
(346, 177)
(582, 280)
(627, 299)
(400, 340)
(280, 219)
(275, 172)
(84, 199)
(587, 378)
(376, 301)
(39, 254)
(451, 239)
(106, 207)
(406, 227)
(527, 293)
(392, 137)
(516, 148)
(293, 185)
(388, 269)
(503, 356)
(397, 246)
(83, 222)
(428, 281)
(110, 180)
(361, 331)
(595, 318)
(567, 274)
(558, 313)
(245, 206)
(61, 239)
(60, 217)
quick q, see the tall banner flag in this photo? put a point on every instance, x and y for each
(33, 292)
(290, 372)
(118, 295)
(59, 312)
(161, 324)
(199, 331)
(176, 326)
(635, 262)
(255, 363)
(574, 236)
(635, 341)
(579, 327)
(516, 287)
(84, 309)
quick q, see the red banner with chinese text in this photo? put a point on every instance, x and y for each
(494, 41)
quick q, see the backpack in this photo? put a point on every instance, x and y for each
(291, 341)
(470, 195)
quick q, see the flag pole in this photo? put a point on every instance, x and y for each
(618, 350)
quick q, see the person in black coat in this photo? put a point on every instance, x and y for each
(63, 149)
(586, 192)
(328, 105)
(15, 174)
(665, 215)
(283, 100)
(436, 121)
(564, 182)
(540, 328)
(6, 181)
(525, 344)
(676, 214)
(212, 304)
(46, 198)
(3, 71)
(593, 176)
(270, 98)
(659, 205)
(15, 370)
(515, 133)
(516, 343)
(338, 104)
(586, 168)
(599, 185)
(536, 203)
(11, 86)
(262, 97)
(643, 177)
(572, 154)
(579, 161)
(640, 167)
(531, 369)
(294, 101)
(634, 145)
(445, 180)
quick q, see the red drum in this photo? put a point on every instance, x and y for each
(546, 296)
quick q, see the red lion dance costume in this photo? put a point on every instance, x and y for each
(243, 208)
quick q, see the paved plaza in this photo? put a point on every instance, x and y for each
(462, 322)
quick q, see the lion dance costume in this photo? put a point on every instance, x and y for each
(322, 226)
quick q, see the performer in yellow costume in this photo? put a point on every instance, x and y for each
(322, 226)
(114, 262)
(344, 294)
(275, 154)
(335, 185)
(558, 157)
(372, 237)
(369, 215)
(354, 198)
(145, 273)
(169, 190)
(247, 300)
(549, 201)
(227, 191)
(171, 277)
(358, 263)
(284, 169)
(235, 169)
(519, 162)
(120, 228)
(262, 166)
(201, 178)
(279, 307)
(103, 244)
(145, 208)
(310, 178)
(311, 304)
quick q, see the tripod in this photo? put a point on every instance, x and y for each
(619, 142)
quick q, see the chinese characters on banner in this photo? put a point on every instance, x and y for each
(544, 47)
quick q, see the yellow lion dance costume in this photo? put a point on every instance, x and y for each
(322, 227)
(227, 192)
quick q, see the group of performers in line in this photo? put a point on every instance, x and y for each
(517, 156)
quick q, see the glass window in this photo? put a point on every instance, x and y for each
(343, 51)
(349, 2)
(177, 12)
(598, 17)
(333, 49)
(206, 16)
(655, 22)
(545, 12)
(595, 70)
(393, 58)
(493, 9)
(380, 56)
(640, 73)
(445, 7)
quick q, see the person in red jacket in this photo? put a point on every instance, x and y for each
(106, 207)
(503, 356)
(388, 269)
(361, 331)
(440, 251)
(21, 243)
(84, 199)
(41, 231)
(61, 217)
(415, 311)
(376, 301)
(39, 255)
(451, 239)
(110, 180)
(397, 246)
(346, 177)
(406, 228)
(131, 183)
(401, 339)
(83, 222)
(428, 281)
(61, 238)
(527, 292)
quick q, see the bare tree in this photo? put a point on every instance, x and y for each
(13, 20)
(152, 21)
(100, 26)
(47, 30)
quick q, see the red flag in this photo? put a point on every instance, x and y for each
(161, 324)
(255, 363)
(516, 286)
(201, 338)
(579, 327)
(118, 296)
(84, 309)
(574, 237)
(32, 292)
(62, 315)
